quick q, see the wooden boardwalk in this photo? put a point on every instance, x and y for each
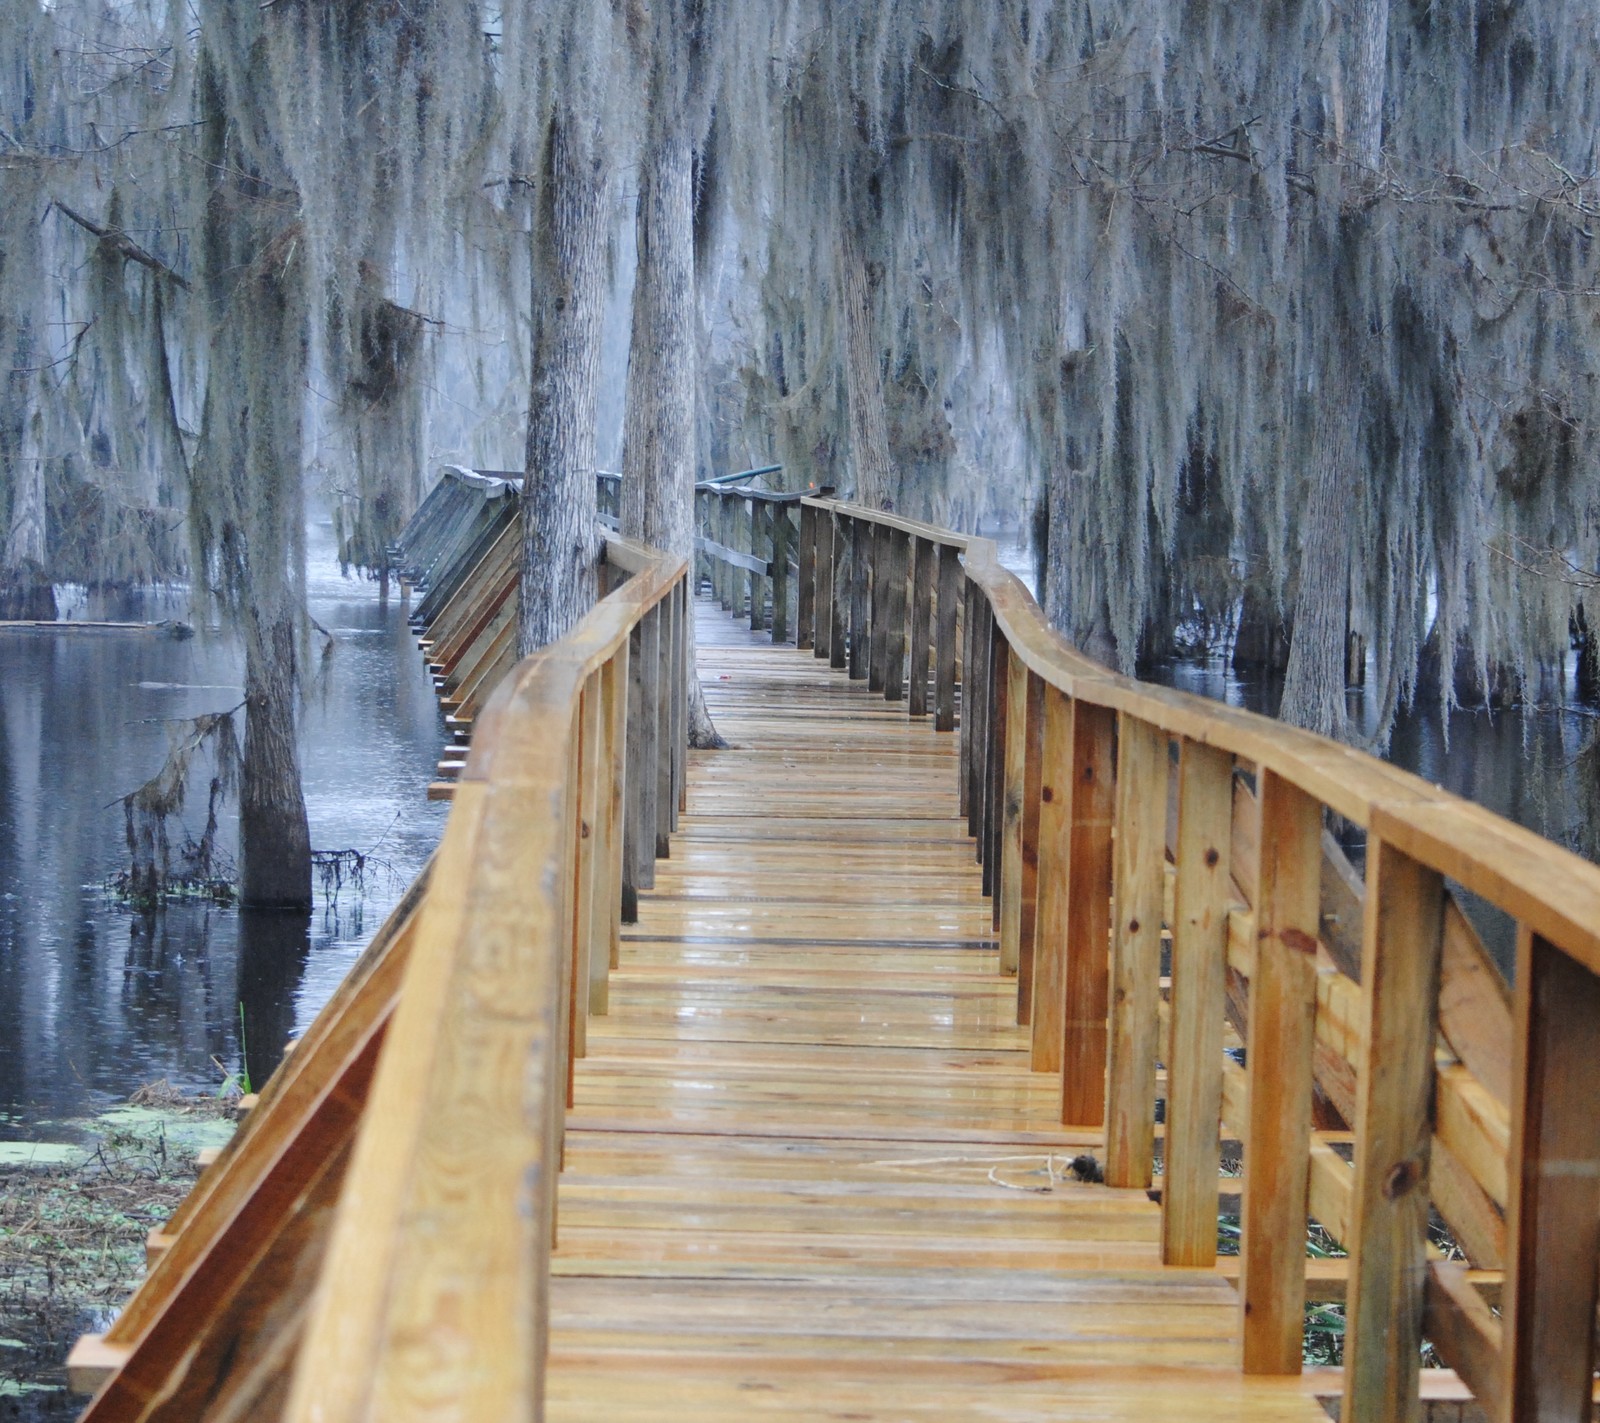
(809, 1173)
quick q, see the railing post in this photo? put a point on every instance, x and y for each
(633, 817)
(1553, 1220)
(1199, 1000)
(944, 656)
(894, 616)
(975, 717)
(1088, 928)
(666, 798)
(923, 555)
(841, 560)
(727, 574)
(683, 610)
(1055, 850)
(778, 527)
(1400, 959)
(586, 865)
(882, 575)
(570, 923)
(861, 541)
(1283, 996)
(1140, 872)
(805, 625)
(649, 654)
(607, 923)
(1024, 905)
(755, 531)
(994, 749)
(822, 632)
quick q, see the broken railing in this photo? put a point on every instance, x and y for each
(1167, 893)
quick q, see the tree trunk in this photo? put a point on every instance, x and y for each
(863, 375)
(1314, 685)
(26, 593)
(560, 547)
(274, 838)
(658, 449)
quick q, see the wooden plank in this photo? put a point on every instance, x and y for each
(1086, 977)
(1199, 958)
(924, 578)
(1281, 1041)
(1139, 885)
(1553, 1219)
(1055, 853)
(1400, 982)
(1461, 1326)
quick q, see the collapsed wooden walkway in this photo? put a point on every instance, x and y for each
(809, 1173)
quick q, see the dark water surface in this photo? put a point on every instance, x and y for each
(96, 1000)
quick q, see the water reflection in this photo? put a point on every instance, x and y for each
(96, 1000)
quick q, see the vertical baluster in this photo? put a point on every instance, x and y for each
(861, 540)
(805, 624)
(1553, 1220)
(633, 781)
(923, 555)
(842, 557)
(1272, 1273)
(755, 532)
(587, 869)
(1199, 987)
(878, 614)
(1139, 889)
(1055, 852)
(781, 535)
(1025, 931)
(649, 653)
(1087, 941)
(571, 911)
(976, 688)
(944, 657)
(1400, 955)
(666, 724)
(827, 609)
(607, 924)
(681, 672)
(994, 748)
(1013, 804)
(894, 615)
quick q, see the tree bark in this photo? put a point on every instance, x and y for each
(274, 838)
(863, 375)
(658, 450)
(26, 592)
(560, 546)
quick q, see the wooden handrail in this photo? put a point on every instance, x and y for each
(1112, 818)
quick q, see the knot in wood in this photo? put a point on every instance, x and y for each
(1211, 858)
(1133, 926)
(1402, 1179)
(1047, 794)
(1298, 940)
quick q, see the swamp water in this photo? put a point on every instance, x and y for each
(97, 1000)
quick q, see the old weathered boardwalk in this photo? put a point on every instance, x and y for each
(808, 1170)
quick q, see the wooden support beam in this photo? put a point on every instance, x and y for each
(862, 539)
(924, 578)
(1553, 1223)
(1055, 852)
(1283, 996)
(1139, 886)
(894, 615)
(842, 596)
(1199, 971)
(1404, 915)
(805, 628)
(1086, 976)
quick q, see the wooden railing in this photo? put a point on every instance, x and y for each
(423, 1112)
(1167, 893)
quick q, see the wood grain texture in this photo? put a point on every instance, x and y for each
(1281, 1039)
(1394, 1131)
(1553, 1220)
(1055, 853)
(1194, 1054)
(1139, 887)
(1086, 972)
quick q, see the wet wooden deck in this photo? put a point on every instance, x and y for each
(809, 1173)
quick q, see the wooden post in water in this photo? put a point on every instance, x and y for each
(1283, 997)
(923, 577)
(1140, 871)
(1085, 980)
(1553, 1219)
(1199, 988)
(1401, 941)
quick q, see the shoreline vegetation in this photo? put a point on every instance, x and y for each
(74, 1214)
